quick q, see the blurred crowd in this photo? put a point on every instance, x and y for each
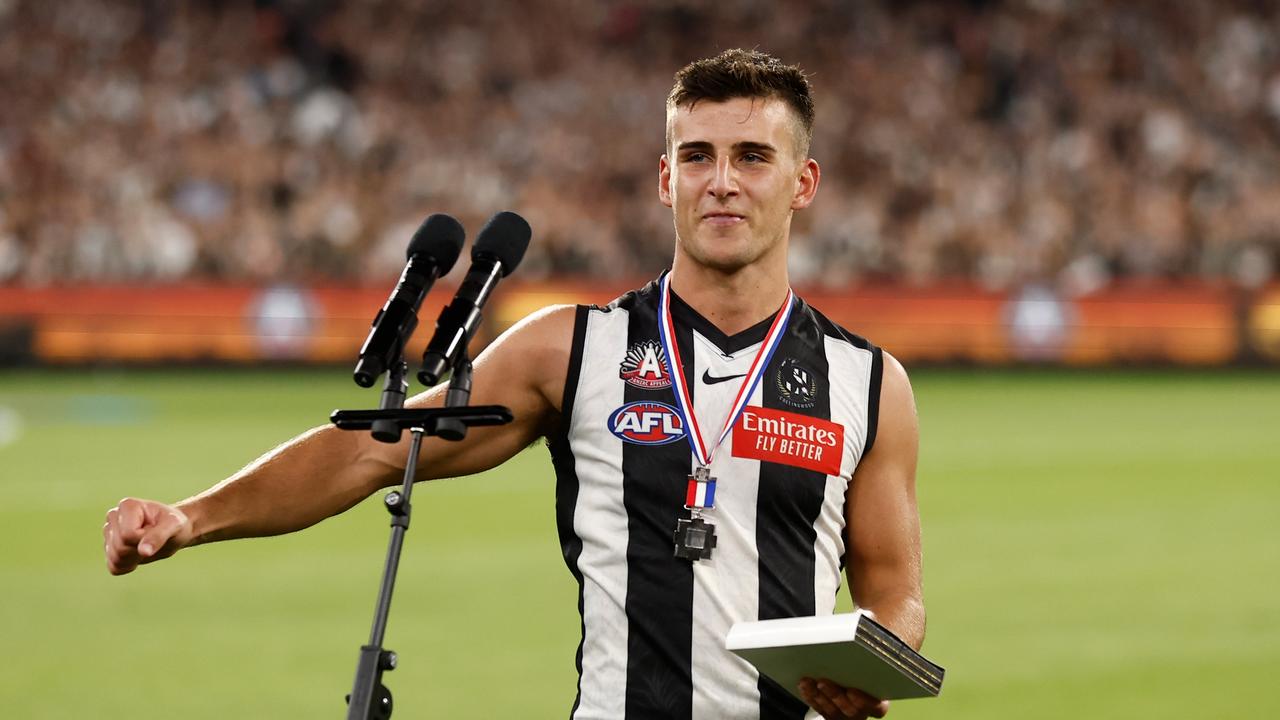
(1056, 142)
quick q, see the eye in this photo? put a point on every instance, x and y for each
(697, 157)
(753, 158)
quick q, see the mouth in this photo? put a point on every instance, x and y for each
(722, 218)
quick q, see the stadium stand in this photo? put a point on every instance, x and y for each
(996, 143)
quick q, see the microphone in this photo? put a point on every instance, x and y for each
(432, 252)
(496, 252)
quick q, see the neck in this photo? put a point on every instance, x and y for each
(732, 301)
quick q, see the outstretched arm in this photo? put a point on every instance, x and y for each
(325, 471)
(883, 540)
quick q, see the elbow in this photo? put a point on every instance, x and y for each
(903, 613)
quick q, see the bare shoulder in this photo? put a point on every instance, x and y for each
(896, 395)
(552, 323)
(534, 353)
(897, 428)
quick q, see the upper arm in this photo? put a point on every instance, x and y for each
(524, 369)
(882, 520)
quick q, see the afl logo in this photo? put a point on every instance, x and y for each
(646, 423)
(645, 366)
(796, 385)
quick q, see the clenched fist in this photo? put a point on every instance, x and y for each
(141, 531)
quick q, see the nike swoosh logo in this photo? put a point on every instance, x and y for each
(708, 379)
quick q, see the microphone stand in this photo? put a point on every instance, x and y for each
(369, 698)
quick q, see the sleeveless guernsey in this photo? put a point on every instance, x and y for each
(653, 625)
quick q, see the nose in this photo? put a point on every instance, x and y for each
(724, 183)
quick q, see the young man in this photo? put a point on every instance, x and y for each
(745, 449)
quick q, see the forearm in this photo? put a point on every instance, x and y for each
(314, 476)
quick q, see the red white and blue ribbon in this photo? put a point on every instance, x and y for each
(701, 492)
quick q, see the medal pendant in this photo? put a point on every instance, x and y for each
(695, 538)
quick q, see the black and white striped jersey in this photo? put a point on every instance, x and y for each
(653, 625)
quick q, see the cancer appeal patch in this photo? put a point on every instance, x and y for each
(646, 423)
(789, 438)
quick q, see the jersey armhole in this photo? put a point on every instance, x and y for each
(575, 368)
(873, 397)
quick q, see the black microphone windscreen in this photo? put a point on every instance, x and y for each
(440, 237)
(505, 237)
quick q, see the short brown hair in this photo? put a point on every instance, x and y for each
(741, 73)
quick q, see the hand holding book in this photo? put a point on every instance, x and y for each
(852, 650)
(837, 702)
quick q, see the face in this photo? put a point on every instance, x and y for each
(733, 176)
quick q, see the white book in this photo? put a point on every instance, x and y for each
(852, 649)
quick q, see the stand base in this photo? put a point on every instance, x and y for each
(382, 704)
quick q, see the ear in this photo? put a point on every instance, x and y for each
(664, 181)
(806, 184)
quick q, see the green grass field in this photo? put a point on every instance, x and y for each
(1101, 545)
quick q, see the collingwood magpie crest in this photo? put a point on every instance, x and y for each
(796, 385)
